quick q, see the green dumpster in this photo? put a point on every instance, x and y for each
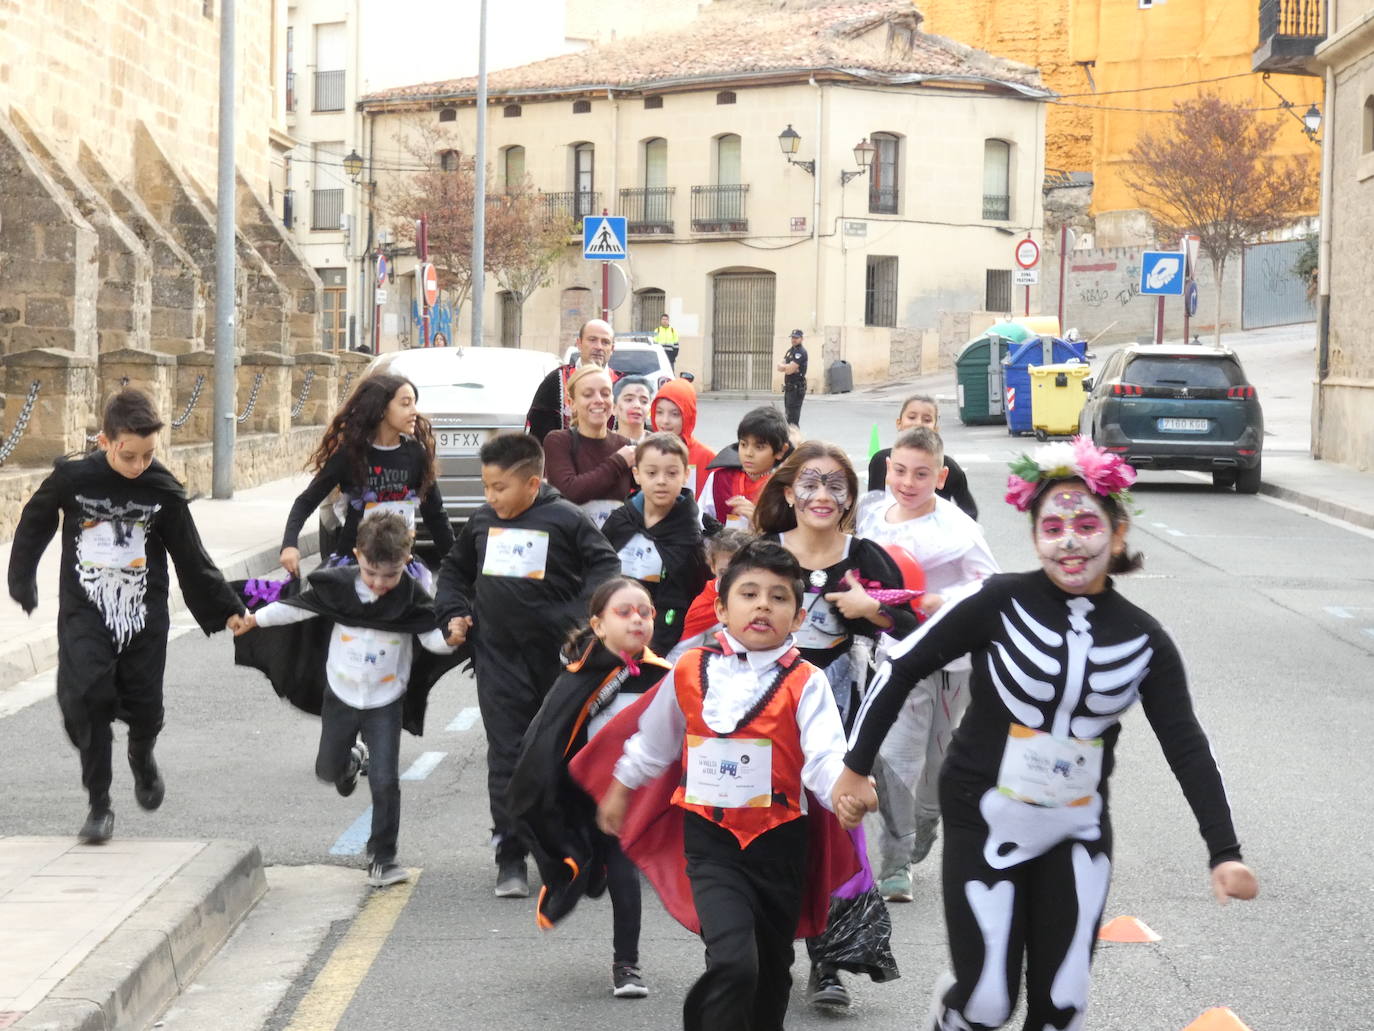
(978, 371)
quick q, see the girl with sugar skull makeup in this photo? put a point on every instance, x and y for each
(1058, 658)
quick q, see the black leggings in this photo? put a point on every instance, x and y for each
(622, 885)
(1045, 908)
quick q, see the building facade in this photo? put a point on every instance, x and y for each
(680, 132)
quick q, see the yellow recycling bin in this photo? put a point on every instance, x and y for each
(1057, 397)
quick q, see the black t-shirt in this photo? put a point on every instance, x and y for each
(796, 353)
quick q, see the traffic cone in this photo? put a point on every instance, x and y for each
(874, 444)
(1126, 929)
(1219, 1018)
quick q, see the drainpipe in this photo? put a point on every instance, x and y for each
(818, 312)
(1324, 263)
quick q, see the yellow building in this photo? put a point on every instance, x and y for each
(1119, 66)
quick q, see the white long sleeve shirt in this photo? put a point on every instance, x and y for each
(365, 668)
(737, 682)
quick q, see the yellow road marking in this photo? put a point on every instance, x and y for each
(324, 1004)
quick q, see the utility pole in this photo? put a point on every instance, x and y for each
(226, 408)
(479, 195)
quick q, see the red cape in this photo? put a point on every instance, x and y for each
(652, 832)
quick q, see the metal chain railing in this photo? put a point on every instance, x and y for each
(343, 390)
(252, 398)
(21, 423)
(180, 420)
(299, 406)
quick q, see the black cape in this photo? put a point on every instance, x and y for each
(293, 656)
(553, 816)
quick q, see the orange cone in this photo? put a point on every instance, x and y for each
(1219, 1018)
(1127, 929)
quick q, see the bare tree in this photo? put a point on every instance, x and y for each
(1212, 172)
(525, 241)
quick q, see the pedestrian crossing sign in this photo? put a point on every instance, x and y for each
(603, 237)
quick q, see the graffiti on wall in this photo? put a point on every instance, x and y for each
(441, 319)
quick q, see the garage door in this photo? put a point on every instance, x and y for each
(742, 331)
(1272, 294)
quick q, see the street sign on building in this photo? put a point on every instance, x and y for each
(603, 237)
(1027, 253)
(1161, 273)
(1025, 276)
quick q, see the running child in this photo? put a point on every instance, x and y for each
(519, 576)
(674, 410)
(739, 472)
(953, 554)
(609, 668)
(658, 533)
(921, 410)
(365, 678)
(379, 452)
(1058, 658)
(122, 514)
(742, 720)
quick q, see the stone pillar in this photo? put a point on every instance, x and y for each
(271, 412)
(265, 232)
(352, 365)
(323, 396)
(48, 253)
(65, 407)
(148, 371)
(195, 375)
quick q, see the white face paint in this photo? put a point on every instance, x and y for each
(1074, 539)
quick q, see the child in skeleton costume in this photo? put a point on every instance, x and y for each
(808, 507)
(1058, 657)
(122, 515)
(952, 553)
(379, 452)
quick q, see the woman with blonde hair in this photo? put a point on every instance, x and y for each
(588, 463)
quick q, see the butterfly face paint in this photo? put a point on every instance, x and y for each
(821, 492)
(1074, 539)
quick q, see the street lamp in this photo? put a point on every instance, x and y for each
(789, 140)
(863, 155)
(1312, 121)
(353, 165)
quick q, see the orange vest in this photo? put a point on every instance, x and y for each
(774, 717)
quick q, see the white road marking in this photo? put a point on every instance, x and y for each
(1339, 612)
(1369, 630)
(352, 841)
(465, 720)
(423, 766)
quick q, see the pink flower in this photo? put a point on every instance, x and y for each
(1019, 492)
(1103, 472)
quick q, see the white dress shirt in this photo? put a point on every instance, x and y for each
(366, 668)
(737, 682)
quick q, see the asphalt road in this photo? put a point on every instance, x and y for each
(1273, 610)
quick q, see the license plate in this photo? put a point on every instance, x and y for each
(458, 442)
(1184, 425)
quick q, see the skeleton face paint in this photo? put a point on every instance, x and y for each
(1073, 537)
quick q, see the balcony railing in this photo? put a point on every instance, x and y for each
(882, 200)
(326, 209)
(1289, 32)
(574, 204)
(329, 91)
(719, 209)
(648, 210)
(290, 92)
(996, 207)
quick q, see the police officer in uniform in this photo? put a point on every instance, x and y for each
(793, 368)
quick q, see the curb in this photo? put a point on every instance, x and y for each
(37, 653)
(1334, 509)
(130, 977)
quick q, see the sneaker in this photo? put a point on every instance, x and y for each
(626, 982)
(512, 879)
(934, 1017)
(380, 874)
(98, 828)
(149, 790)
(825, 988)
(897, 887)
(364, 757)
(349, 780)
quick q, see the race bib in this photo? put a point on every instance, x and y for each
(1049, 771)
(640, 559)
(405, 509)
(514, 552)
(729, 772)
(371, 658)
(109, 545)
(600, 510)
(823, 627)
(735, 522)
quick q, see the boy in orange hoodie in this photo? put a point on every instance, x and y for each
(674, 410)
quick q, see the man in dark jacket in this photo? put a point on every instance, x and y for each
(549, 408)
(793, 369)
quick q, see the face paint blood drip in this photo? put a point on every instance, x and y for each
(1073, 539)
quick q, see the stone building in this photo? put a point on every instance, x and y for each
(108, 158)
(680, 131)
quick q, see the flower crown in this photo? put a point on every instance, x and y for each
(1080, 459)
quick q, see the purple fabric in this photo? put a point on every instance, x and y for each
(263, 592)
(863, 880)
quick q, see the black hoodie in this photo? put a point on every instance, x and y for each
(681, 557)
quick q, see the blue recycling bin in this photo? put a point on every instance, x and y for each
(1016, 378)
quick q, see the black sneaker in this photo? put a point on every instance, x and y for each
(379, 874)
(512, 879)
(825, 989)
(149, 790)
(349, 780)
(98, 828)
(626, 982)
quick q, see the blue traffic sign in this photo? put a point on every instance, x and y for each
(1190, 299)
(603, 237)
(1161, 273)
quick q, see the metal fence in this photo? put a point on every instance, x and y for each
(996, 207)
(1272, 293)
(329, 91)
(882, 200)
(719, 209)
(574, 204)
(742, 331)
(1304, 18)
(326, 208)
(648, 209)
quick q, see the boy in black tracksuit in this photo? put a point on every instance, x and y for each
(122, 515)
(658, 534)
(517, 581)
